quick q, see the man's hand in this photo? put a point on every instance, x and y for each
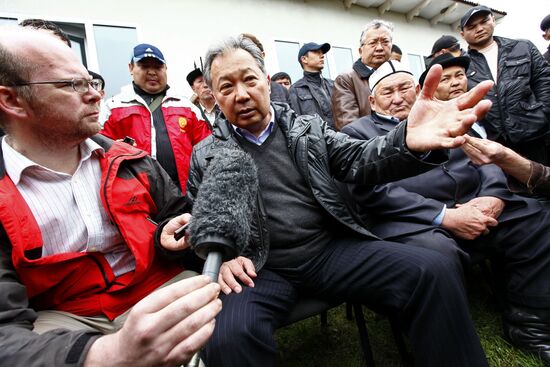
(241, 269)
(467, 222)
(488, 205)
(484, 151)
(167, 239)
(165, 328)
(434, 124)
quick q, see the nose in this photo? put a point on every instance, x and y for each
(92, 95)
(241, 92)
(397, 98)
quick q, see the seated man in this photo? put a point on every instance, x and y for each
(306, 241)
(473, 203)
(78, 216)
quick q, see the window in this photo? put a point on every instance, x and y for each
(287, 55)
(416, 65)
(5, 21)
(114, 48)
(343, 59)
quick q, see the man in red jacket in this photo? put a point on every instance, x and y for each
(86, 227)
(163, 123)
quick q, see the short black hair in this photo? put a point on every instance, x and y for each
(50, 26)
(396, 49)
(281, 75)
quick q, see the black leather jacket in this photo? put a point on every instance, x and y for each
(521, 96)
(322, 156)
(307, 98)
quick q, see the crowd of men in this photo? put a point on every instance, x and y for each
(373, 188)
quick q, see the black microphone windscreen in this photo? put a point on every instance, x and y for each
(223, 209)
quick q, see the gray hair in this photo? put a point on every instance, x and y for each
(229, 45)
(375, 24)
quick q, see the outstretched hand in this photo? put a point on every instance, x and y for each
(434, 124)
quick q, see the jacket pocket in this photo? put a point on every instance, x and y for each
(518, 67)
(527, 121)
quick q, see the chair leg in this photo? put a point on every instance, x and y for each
(406, 359)
(349, 311)
(363, 334)
(323, 318)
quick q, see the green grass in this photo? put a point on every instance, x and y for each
(307, 344)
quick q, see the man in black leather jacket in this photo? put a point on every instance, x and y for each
(520, 116)
(305, 239)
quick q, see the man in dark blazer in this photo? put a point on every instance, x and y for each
(472, 203)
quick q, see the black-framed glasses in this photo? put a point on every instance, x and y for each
(80, 85)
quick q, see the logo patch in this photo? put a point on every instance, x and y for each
(182, 121)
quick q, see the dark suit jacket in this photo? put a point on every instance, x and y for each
(413, 203)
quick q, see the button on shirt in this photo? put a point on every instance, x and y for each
(68, 208)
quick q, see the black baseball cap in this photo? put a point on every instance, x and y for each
(312, 46)
(545, 24)
(445, 60)
(471, 12)
(442, 42)
(194, 74)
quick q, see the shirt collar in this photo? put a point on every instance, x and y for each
(389, 118)
(263, 135)
(16, 163)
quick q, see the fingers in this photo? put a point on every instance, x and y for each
(431, 82)
(226, 280)
(183, 308)
(481, 109)
(184, 351)
(240, 268)
(450, 143)
(476, 94)
(166, 295)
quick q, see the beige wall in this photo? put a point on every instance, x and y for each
(183, 29)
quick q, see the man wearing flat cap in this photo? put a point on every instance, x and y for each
(164, 124)
(471, 204)
(520, 115)
(204, 99)
(311, 94)
(545, 27)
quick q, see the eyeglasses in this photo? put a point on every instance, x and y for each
(80, 85)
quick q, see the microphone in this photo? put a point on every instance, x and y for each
(222, 213)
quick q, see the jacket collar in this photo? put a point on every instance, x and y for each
(363, 70)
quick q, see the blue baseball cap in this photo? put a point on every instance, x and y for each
(312, 46)
(144, 50)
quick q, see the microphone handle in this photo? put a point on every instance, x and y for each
(212, 265)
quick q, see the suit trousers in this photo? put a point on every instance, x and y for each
(421, 286)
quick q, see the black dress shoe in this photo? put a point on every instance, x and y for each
(529, 330)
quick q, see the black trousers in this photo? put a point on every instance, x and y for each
(524, 244)
(422, 286)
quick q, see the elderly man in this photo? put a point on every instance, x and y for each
(350, 98)
(305, 239)
(80, 240)
(164, 124)
(205, 101)
(474, 203)
(520, 116)
(311, 94)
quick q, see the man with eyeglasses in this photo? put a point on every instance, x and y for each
(350, 97)
(87, 269)
(520, 116)
(163, 123)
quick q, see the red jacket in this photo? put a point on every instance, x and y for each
(127, 114)
(83, 283)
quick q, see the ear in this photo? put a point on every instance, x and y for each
(130, 67)
(303, 59)
(462, 34)
(13, 105)
(372, 102)
(418, 90)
